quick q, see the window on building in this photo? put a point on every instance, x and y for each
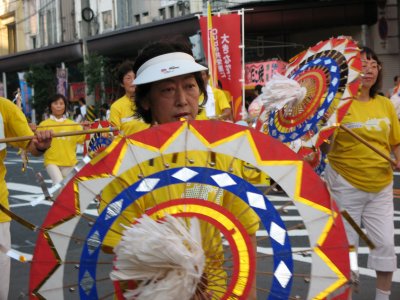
(107, 20)
(42, 29)
(129, 13)
(12, 41)
(162, 13)
(137, 19)
(51, 27)
(33, 40)
(171, 11)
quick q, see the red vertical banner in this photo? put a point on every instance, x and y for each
(227, 39)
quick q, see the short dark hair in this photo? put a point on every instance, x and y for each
(258, 88)
(370, 54)
(81, 99)
(55, 98)
(124, 68)
(395, 78)
(148, 52)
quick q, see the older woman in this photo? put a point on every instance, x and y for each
(360, 180)
(168, 86)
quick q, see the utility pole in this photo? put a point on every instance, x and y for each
(85, 33)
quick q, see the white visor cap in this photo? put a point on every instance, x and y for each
(167, 66)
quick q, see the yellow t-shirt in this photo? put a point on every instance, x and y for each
(122, 116)
(63, 149)
(12, 124)
(375, 121)
(133, 126)
(221, 103)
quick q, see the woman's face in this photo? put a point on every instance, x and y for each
(173, 99)
(370, 69)
(58, 108)
(127, 83)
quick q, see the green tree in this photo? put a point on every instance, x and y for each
(44, 83)
(95, 68)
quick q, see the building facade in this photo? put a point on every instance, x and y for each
(62, 31)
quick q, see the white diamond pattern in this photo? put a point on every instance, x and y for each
(184, 174)
(283, 274)
(223, 180)
(147, 184)
(335, 81)
(114, 209)
(93, 242)
(87, 283)
(277, 233)
(256, 200)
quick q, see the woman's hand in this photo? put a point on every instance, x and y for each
(40, 142)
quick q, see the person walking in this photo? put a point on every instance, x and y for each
(13, 123)
(360, 180)
(60, 159)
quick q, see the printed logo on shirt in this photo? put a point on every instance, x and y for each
(124, 120)
(353, 125)
(371, 124)
(374, 124)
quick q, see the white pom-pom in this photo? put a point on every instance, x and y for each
(280, 91)
(164, 257)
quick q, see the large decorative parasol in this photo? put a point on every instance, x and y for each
(98, 141)
(329, 74)
(187, 171)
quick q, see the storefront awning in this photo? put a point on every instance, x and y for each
(55, 54)
(126, 42)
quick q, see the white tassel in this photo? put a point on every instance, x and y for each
(280, 91)
(163, 256)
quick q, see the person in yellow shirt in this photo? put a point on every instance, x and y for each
(13, 123)
(217, 105)
(168, 87)
(123, 110)
(360, 180)
(60, 159)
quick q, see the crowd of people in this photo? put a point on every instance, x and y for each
(149, 97)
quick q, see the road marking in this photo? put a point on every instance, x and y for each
(307, 259)
(27, 188)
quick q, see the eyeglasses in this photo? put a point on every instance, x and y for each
(373, 65)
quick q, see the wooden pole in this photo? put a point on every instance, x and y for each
(359, 138)
(64, 125)
(59, 134)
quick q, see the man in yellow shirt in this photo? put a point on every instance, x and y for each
(13, 124)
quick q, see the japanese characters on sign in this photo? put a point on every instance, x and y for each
(260, 73)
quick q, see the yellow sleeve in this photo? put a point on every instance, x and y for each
(221, 101)
(15, 124)
(115, 115)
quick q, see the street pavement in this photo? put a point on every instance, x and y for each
(24, 189)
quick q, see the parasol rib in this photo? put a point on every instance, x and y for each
(59, 134)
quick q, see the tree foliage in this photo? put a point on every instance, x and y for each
(96, 70)
(44, 83)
